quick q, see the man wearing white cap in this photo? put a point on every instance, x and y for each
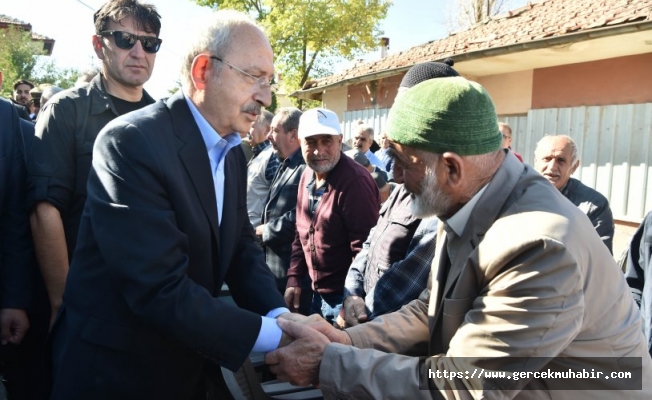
(337, 205)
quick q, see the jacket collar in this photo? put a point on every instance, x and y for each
(100, 101)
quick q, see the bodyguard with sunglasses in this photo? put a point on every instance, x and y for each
(126, 41)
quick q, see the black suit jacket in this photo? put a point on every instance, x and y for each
(280, 216)
(15, 244)
(141, 311)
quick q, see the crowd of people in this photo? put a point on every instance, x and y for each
(368, 272)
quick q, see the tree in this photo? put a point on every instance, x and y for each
(465, 14)
(17, 55)
(23, 58)
(308, 35)
(49, 72)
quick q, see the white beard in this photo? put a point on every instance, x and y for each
(432, 200)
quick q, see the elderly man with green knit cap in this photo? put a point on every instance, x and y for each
(521, 285)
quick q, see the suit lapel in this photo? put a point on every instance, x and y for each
(439, 264)
(230, 207)
(460, 285)
(194, 157)
(280, 182)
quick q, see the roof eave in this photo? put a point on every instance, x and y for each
(490, 52)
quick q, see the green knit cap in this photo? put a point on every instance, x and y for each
(445, 114)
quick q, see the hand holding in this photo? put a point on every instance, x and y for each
(355, 311)
(298, 363)
(300, 318)
(333, 334)
(13, 325)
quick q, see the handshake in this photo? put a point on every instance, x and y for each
(302, 347)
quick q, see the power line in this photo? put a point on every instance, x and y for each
(89, 7)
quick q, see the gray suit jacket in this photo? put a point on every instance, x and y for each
(530, 278)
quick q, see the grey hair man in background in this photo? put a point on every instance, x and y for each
(556, 158)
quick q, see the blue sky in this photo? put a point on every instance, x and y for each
(69, 22)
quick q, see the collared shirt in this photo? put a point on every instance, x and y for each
(375, 160)
(270, 334)
(384, 156)
(272, 166)
(455, 225)
(257, 148)
(314, 194)
(459, 220)
(217, 147)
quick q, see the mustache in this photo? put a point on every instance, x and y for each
(252, 108)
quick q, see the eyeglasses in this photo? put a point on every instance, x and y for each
(262, 81)
(126, 40)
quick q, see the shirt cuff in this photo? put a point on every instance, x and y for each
(270, 333)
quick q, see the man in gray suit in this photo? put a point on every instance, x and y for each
(519, 280)
(279, 215)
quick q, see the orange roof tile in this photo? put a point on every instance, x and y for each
(537, 20)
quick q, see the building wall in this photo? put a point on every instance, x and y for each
(336, 100)
(511, 93)
(622, 80)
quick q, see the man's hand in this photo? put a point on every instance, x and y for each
(259, 230)
(292, 298)
(298, 363)
(13, 325)
(299, 319)
(355, 311)
(334, 335)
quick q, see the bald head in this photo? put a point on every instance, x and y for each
(555, 157)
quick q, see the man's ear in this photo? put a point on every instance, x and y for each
(199, 70)
(97, 46)
(576, 164)
(453, 167)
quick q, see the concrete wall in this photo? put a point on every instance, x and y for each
(622, 80)
(336, 100)
(511, 93)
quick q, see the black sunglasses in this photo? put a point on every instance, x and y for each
(126, 40)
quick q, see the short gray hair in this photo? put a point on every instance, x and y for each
(265, 117)
(574, 150)
(290, 118)
(365, 128)
(215, 37)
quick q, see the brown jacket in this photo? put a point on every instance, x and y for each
(530, 278)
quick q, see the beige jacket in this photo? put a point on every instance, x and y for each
(531, 279)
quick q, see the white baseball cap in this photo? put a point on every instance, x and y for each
(319, 121)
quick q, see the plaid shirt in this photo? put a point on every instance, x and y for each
(271, 168)
(388, 288)
(257, 148)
